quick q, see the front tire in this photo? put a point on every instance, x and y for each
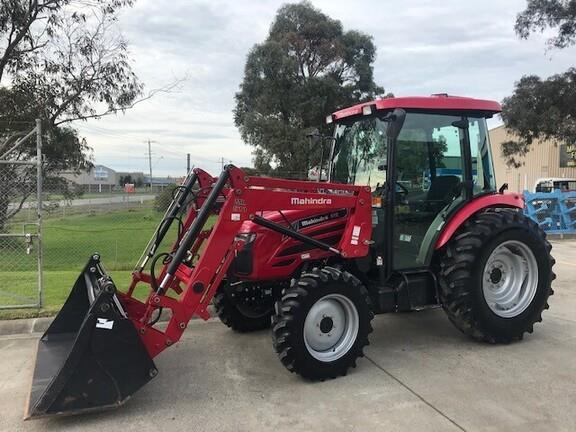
(322, 324)
(495, 276)
(240, 317)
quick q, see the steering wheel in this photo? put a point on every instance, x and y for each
(403, 189)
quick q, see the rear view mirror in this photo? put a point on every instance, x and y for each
(396, 121)
(315, 136)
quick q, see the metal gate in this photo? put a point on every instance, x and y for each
(20, 217)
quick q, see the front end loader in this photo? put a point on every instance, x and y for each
(409, 219)
(100, 347)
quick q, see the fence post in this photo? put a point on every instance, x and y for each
(39, 209)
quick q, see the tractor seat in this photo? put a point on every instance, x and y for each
(443, 188)
(442, 191)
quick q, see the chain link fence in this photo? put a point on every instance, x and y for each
(20, 215)
(113, 223)
(50, 226)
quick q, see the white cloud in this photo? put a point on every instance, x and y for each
(424, 47)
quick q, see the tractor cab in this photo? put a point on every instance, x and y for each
(423, 159)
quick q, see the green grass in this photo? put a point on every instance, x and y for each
(119, 237)
(57, 286)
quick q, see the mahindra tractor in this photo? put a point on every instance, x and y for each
(410, 218)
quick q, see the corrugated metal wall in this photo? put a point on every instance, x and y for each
(543, 160)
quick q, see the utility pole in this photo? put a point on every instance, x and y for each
(188, 163)
(222, 162)
(150, 160)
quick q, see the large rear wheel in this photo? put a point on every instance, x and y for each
(322, 323)
(496, 275)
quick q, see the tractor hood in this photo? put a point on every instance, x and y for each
(299, 219)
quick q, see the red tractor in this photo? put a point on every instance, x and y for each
(410, 218)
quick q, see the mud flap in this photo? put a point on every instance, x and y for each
(91, 357)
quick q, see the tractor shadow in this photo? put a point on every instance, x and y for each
(213, 365)
(429, 334)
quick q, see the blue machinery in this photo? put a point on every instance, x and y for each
(555, 212)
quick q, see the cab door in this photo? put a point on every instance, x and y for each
(429, 175)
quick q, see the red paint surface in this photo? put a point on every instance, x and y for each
(217, 246)
(439, 102)
(474, 206)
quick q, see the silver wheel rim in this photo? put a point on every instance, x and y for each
(510, 279)
(331, 327)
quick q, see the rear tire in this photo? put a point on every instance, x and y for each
(495, 276)
(239, 318)
(322, 324)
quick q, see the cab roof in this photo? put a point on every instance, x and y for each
(435, 102)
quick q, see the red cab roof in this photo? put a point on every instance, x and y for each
(434, 102)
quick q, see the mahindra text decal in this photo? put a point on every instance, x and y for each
(310, 201)
(315, 220)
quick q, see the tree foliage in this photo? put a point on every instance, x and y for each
(540, 110)
(65, 60)
(60, 61)
(307, 67)
(540, 15)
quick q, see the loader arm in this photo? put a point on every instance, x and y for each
(246, 198)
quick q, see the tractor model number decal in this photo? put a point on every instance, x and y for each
(239, 206)
(315, 220)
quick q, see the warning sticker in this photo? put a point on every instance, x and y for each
(355, 235)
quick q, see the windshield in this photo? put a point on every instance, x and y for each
(547, 186)
(360, 153)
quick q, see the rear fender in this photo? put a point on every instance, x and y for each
(510, 200)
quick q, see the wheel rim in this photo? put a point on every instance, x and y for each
(331, 327)
(510, 279)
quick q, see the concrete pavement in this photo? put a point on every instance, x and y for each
(419, 374)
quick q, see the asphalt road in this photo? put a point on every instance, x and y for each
(419, 374)
(93, 201)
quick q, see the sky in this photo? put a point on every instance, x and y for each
(465, 48)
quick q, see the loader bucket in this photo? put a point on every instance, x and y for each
(91, 357)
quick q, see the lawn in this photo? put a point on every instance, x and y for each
(119, 236)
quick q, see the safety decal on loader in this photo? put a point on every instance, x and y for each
(355, 235)
(104, 323)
